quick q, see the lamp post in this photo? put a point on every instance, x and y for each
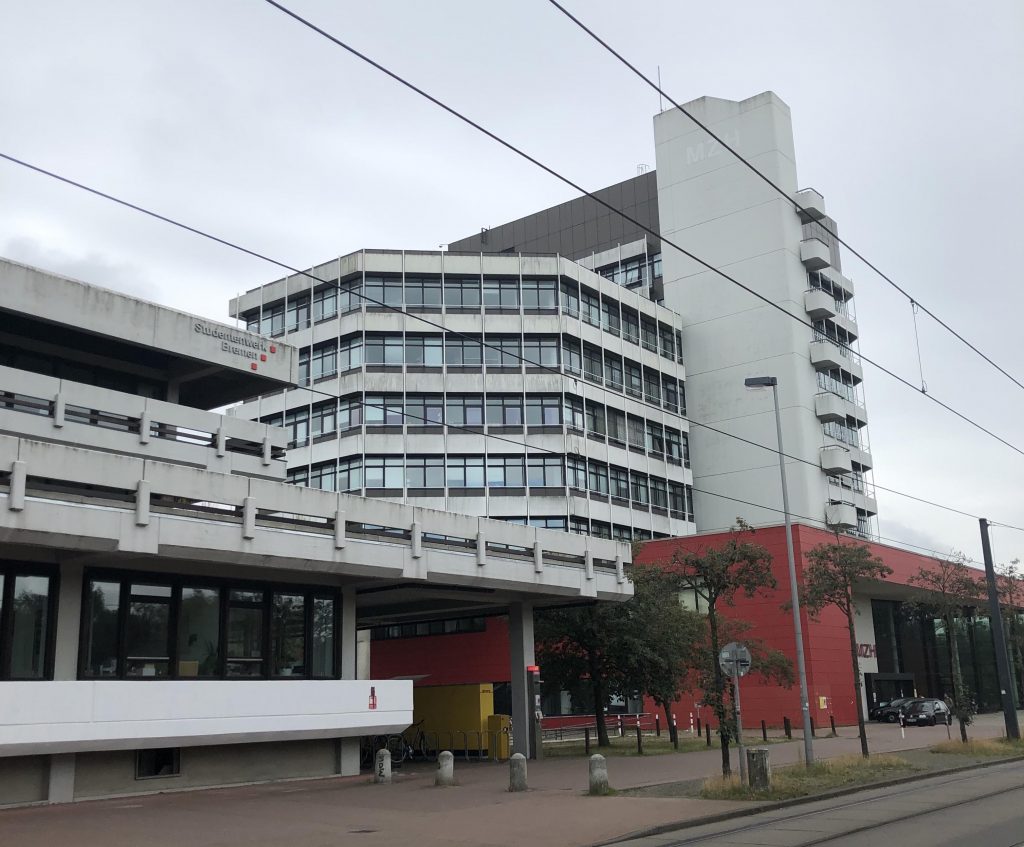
(801, 667)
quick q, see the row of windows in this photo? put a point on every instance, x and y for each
(600, 367)
(141, 625)
(842, 432)
(398, 472)
(639, 270)
(475, 410)
(27, 597)
(494, 293)
(453, 626)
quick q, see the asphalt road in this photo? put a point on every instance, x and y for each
(980, 808)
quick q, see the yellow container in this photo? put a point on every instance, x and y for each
(456, 714)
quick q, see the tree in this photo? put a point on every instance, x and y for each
(945, 588)
(829, 580)
(644, 645)
(1010, 582)
(672, 636)
(716, 575)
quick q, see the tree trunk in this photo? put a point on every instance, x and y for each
(861, 729)
(959, 704)
(673, 732)
(597, 691)
(719, 694)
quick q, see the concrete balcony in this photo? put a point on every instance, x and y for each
(826, 355)
(831, 407)
(841, 514)
(814, 253)
(846, 323)
(862, 457)
(812, 203)
(836, 460)
(78, 716)
(819, 304)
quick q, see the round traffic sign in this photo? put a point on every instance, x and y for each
(734, 659)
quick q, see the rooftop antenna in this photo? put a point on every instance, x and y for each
(661, 104)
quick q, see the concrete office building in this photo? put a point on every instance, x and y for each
(537, 392)
(701, 198)
(172, 612)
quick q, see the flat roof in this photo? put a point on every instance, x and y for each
(212, 364)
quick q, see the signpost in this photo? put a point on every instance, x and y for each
(734, 659)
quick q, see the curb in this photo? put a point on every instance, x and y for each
(757, 807)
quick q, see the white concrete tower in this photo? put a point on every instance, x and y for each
(715, 207)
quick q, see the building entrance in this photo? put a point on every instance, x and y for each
(885, 687)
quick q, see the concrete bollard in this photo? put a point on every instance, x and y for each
(445, 775)
(517, 772)
(759, 769)
(598, 775)
(382, 768)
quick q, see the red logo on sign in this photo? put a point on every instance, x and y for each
(273, 348)
(263, 357)
(373, 697)
(253, 366)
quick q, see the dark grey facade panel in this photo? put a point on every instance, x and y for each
(578, 227)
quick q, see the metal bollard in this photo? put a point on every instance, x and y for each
(759, 769)
(620, 726)
(764, 731)
(700, 728)
(586, 740)
(814, 731)
(788, 727)
(382, 768)
(832, 721)
(517, 772)
(639, 739)
(445, 775)
(657, 725)
(598, 775)
(707, 730)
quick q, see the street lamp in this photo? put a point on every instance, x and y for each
(801, 667)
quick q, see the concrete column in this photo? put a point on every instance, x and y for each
(69, 616)
(62, 778)
(348, 748)
(520, 634)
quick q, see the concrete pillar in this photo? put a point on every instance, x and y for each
(445, 775)
(598, 775)
(520, 632)
(517, 772)
(759, 768)
(382, 767)
(348, 748)
(62, 778)
(69, 617)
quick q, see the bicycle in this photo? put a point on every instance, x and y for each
(414, 743)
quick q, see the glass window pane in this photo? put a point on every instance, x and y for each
(29, 609)
(199, 632)
(322, 648)
(288, 635)
(147, 650)
(245, 639)
(101, 633)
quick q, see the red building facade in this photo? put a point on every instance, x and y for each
(484, 656)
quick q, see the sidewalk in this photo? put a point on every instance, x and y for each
(478, 812)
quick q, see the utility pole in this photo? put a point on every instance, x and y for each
(999, 637)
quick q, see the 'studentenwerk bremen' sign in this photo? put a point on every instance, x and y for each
(236, 343)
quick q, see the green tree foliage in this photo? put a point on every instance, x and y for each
(944, 589)
(717, 575)
(1010, 581)
(829, 579)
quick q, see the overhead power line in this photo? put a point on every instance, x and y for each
(317, 281)
(789, 199)
(519, 152)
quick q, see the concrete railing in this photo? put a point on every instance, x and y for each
(76, 716)
(59, 410)
(241, 517)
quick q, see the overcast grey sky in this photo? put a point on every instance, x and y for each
(230, 116)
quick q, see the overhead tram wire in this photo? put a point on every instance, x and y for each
(538, 449)
(519, 152)
(255, 254)
(789, 199)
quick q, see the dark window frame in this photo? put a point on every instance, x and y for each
(175, 581)
(10, 570)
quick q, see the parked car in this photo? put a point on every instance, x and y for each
(927, 712)
(890, 712)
